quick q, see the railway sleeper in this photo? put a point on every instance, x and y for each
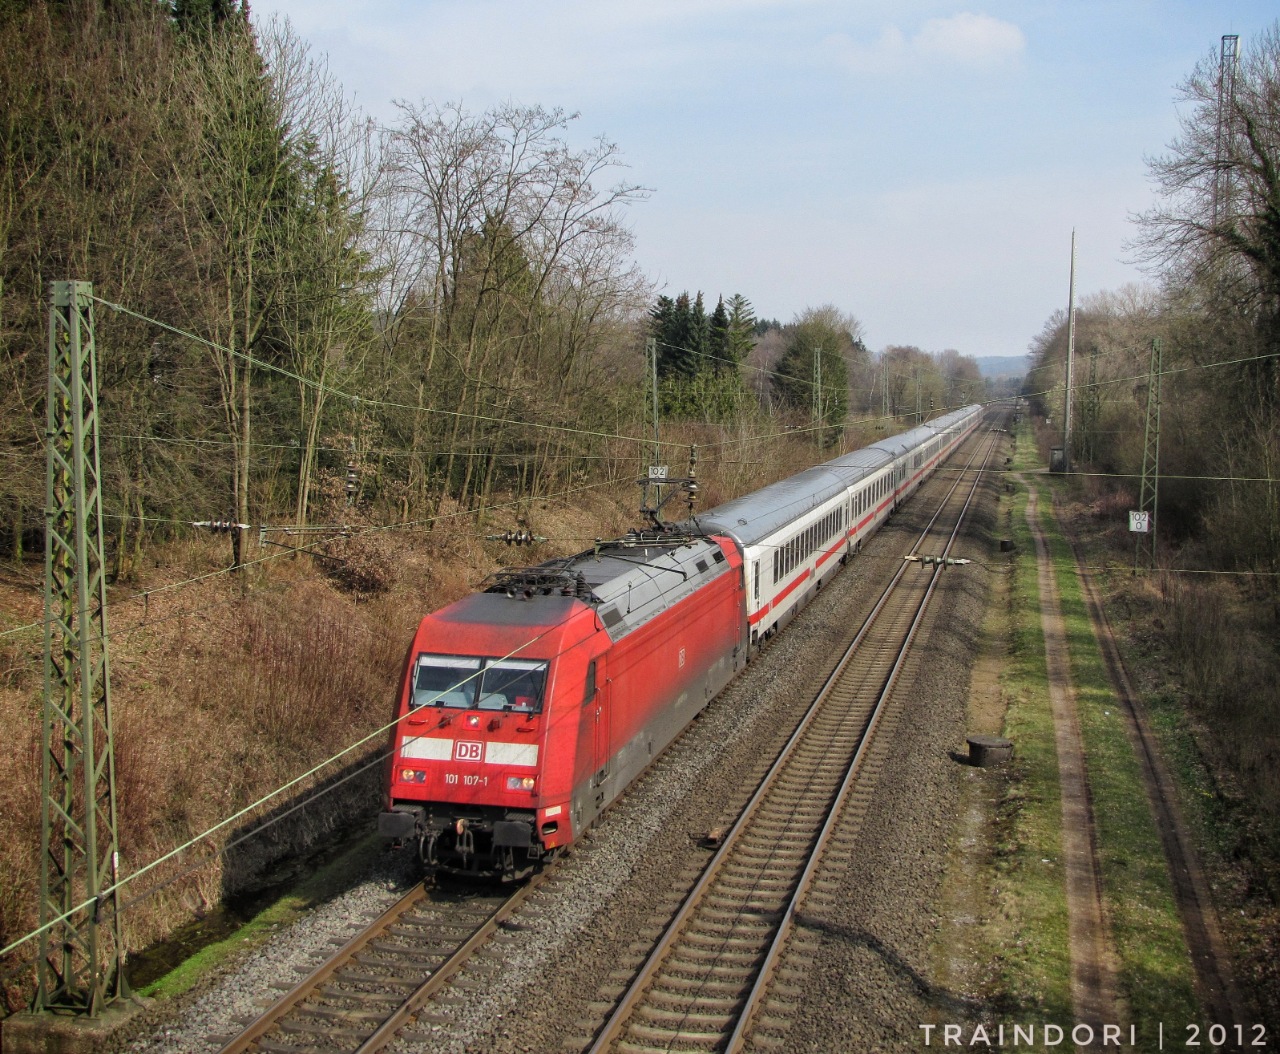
(292, 1026)
(384, 980)
(675, 1037)
(700, 1021)
(702, 984)
(714, 914)
(660, 1000)
(330, 991)
(338, 1016)
(736, 937)
(736, 929)
(693, 961)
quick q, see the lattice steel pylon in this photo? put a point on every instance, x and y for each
(1224, 139)
(80, 967)
(1148, 495)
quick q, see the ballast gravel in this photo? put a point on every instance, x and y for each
(205, 1018)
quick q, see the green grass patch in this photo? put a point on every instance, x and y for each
(323, 884)
(1035, 972)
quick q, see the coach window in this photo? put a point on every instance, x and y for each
(756, 576)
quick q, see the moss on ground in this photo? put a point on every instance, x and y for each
(326, 882)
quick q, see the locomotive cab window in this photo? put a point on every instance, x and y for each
(464, 683)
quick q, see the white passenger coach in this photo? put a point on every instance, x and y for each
(795, 533)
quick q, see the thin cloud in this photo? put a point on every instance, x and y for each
(966, 40)
(972, 40)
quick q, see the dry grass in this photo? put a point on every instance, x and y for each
(1225, 653)
(226, 689)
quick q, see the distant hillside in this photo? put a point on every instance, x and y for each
(1003, 365)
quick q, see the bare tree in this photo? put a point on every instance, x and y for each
(516, 258)
(1229, 144)
(228, 196)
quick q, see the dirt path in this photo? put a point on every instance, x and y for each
(1093, 989)
(1215, 985)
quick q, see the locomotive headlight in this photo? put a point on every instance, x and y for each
(521, 783)
(473, 720)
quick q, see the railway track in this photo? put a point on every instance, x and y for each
(382, 979)
(356, 1000)
(709, 974)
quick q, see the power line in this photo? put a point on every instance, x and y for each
(316, 385)
(390, 451)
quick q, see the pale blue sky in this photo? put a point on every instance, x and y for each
(919, 164)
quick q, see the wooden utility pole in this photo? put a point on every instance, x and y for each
(1071, 356)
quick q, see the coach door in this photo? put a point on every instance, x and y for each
(599, 682)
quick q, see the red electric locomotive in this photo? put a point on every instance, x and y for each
(526, 709)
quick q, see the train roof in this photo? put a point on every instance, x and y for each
(754, 517)
(633, 579)
(898, 445)
(628, 581)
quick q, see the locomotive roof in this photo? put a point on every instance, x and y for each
(635, 583)
(630, 581)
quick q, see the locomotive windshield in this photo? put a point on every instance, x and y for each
(478, 683)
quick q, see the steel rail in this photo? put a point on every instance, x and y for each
(623, 1011)
(297, 995)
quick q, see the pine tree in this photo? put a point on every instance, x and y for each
(698, 333)
(718, 350)
(205, 15)
(742, 327)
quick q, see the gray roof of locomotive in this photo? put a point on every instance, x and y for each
(630, 581)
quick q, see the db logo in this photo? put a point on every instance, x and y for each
(467, 751)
